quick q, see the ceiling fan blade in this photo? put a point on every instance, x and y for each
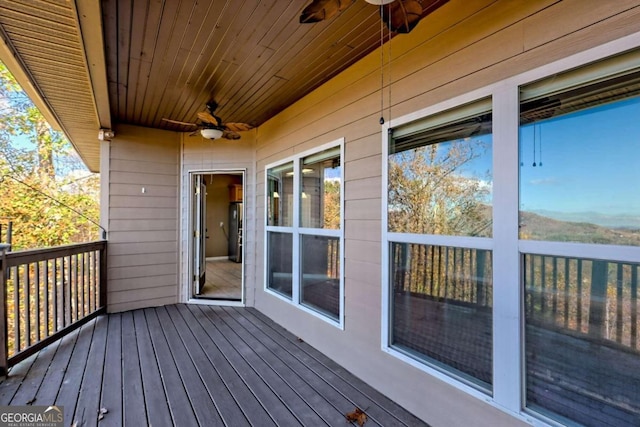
(402, 16)
(319, 10)
(229, 134)
(207, 117)
(178, 122)
(238, 127)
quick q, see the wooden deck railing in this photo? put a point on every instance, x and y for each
(593, 299)
(47, 293)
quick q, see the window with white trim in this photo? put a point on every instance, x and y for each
(304, 239)
(579, 192)
(539, 308)
(439, 222)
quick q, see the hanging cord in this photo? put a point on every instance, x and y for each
(381, 65)
(535, 128)
(540, 145)
(104, 232)
(389, 63)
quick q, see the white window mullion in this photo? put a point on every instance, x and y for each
(295, 265)
(507, 316)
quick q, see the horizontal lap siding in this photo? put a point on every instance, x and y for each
(143, 227)
(465, 45)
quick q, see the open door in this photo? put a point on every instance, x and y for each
(199, 233)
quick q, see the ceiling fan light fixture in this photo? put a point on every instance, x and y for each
(379, 2)
(211, 133)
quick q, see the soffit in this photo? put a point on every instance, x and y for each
(44, 48)
(87, 64)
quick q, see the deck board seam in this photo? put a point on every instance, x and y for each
(172, 409)
(258, 374)
(200, 373)
(271, 368)
(292, 371)
(233, 367)
(182, 369)
(382, 405)
(220, 374)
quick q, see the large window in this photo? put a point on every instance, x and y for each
(511, 241)
(304, 231)
(439, 222)
(579, 176)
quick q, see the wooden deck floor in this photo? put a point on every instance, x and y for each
(191, 365)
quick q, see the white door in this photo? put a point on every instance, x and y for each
(199, 233)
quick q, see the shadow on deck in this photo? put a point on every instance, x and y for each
(192, 365)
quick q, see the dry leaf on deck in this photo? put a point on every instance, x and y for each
(357, 416)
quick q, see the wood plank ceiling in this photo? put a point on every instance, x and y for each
(166, 59)
(94, 64)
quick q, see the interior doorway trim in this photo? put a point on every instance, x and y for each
(189, 285)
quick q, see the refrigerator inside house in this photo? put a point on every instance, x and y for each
(235, 232)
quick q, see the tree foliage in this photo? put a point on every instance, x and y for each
(45, 190)
(430, 194)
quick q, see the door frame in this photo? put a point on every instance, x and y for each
(191, 244)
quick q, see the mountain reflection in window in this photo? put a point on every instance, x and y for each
(579, 152)
(440, 174)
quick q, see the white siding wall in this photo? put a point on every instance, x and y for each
(202, 155)
(143, 227)
(465, 45)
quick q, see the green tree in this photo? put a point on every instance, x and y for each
(37, 167)
(429, 193)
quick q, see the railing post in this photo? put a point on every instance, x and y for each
(103, 275)
(4, 272)
(598, 304)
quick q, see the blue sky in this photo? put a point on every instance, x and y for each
(590, 162)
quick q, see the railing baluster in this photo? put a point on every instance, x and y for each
(90, 285)
(4, 314)
(47, 283)
(566, 292)
(36, 290)
(82, 295)
(579, 302)
(66, 309)
(634, 306)
(56, 289)
(27, 306)
(16, 308)
(554, 274)
(619, 305)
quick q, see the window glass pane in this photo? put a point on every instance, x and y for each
(321, 274)
(280, 195)
(441, 307)
(320, 190)
(279, 266)
(440, 177)
(579, 173)
(582, 345)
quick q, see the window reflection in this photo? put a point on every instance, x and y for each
(279, 267)
(579, 169)
(440, 174)
(280, 195)
(441, 307)
(320, 190)
(321, 274)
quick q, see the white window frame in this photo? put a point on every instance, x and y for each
(509, 394)
(297, 232)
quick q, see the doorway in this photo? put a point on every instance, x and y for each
(217, 228)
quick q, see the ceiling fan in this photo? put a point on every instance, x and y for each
(212, 126)
(400, 16)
